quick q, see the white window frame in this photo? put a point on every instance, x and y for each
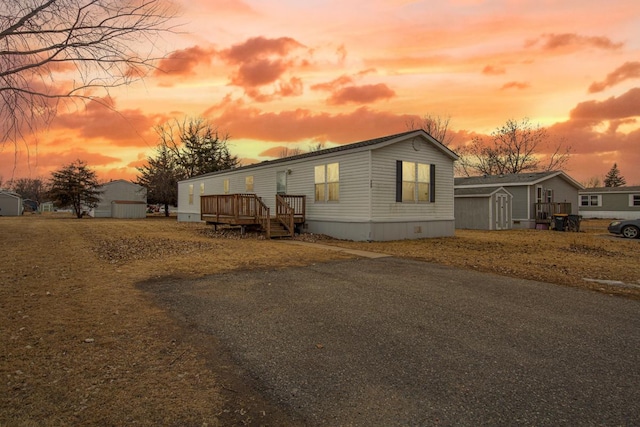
(190, 194)
(326, 188)
(590, 200)
(225, 186)
(248, 184)
(634, 200)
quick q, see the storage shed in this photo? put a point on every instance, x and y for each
(121, 199)
(394, 187)
(10, 204)
(483, 208)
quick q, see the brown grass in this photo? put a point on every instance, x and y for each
(80, 345)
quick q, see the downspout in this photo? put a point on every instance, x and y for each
(370, 193)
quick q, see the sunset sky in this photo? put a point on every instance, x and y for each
(294, 73)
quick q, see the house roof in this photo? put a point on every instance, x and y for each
(478, 191)
(631, 189)
(513, 179)
(372, 143)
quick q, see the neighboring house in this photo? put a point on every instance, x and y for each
(395, 187)
(610, 202)
(121, 199)
(537, 196)
(483, 208)
(10, 203)
(46, 207)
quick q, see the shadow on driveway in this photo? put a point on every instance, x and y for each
(396, 342)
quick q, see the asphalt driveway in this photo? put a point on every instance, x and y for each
(395, 342)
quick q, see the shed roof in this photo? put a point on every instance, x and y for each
(513, 179)
(372, 143)
(479, 191)
(10, 193)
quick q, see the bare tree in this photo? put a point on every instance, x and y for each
(514, 147)
(53, 50)
(593, 182)
(30, 188)
(288, 152)
(197, 146)
(436, 126)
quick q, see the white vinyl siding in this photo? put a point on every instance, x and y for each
(384, 206)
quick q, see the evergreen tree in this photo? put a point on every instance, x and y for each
(613, 177)
(75, 185)
(160, 177)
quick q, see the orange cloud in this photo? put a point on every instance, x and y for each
(259, 72)
(183, 62)
(493, 71)
(626, 71)
(623, 106)
(126, 128)
(260, 47)
(365, 94)
(571, 41)
(515, 85)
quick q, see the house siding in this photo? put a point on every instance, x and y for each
(473, 212)
(614, 204)
(366, 209)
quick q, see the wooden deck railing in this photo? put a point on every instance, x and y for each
(238, 209)
(249, 209)
(546, 211)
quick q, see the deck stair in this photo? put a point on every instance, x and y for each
(250, 210)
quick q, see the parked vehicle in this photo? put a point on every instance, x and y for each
(629, 228)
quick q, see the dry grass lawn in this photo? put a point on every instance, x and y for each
(80, 345)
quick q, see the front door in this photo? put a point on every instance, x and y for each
(281, 182)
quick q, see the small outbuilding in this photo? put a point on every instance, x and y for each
(121, 199)
(483, 208)
(10, 204)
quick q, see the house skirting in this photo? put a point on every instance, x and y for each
(610, 214)
(381, 231)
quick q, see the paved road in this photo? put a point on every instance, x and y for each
(394, 342)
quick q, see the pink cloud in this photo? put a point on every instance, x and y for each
(628, 70)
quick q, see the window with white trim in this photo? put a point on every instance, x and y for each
(190, 194)
(590, 200)
(248, 183)
(415, 182)
(327, 182)
(225, 185)
(201, 188)
(634, 200)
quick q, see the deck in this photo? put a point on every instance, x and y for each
(250, 210)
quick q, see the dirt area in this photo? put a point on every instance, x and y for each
(81, 345)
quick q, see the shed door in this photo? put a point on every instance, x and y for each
(501, 212)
